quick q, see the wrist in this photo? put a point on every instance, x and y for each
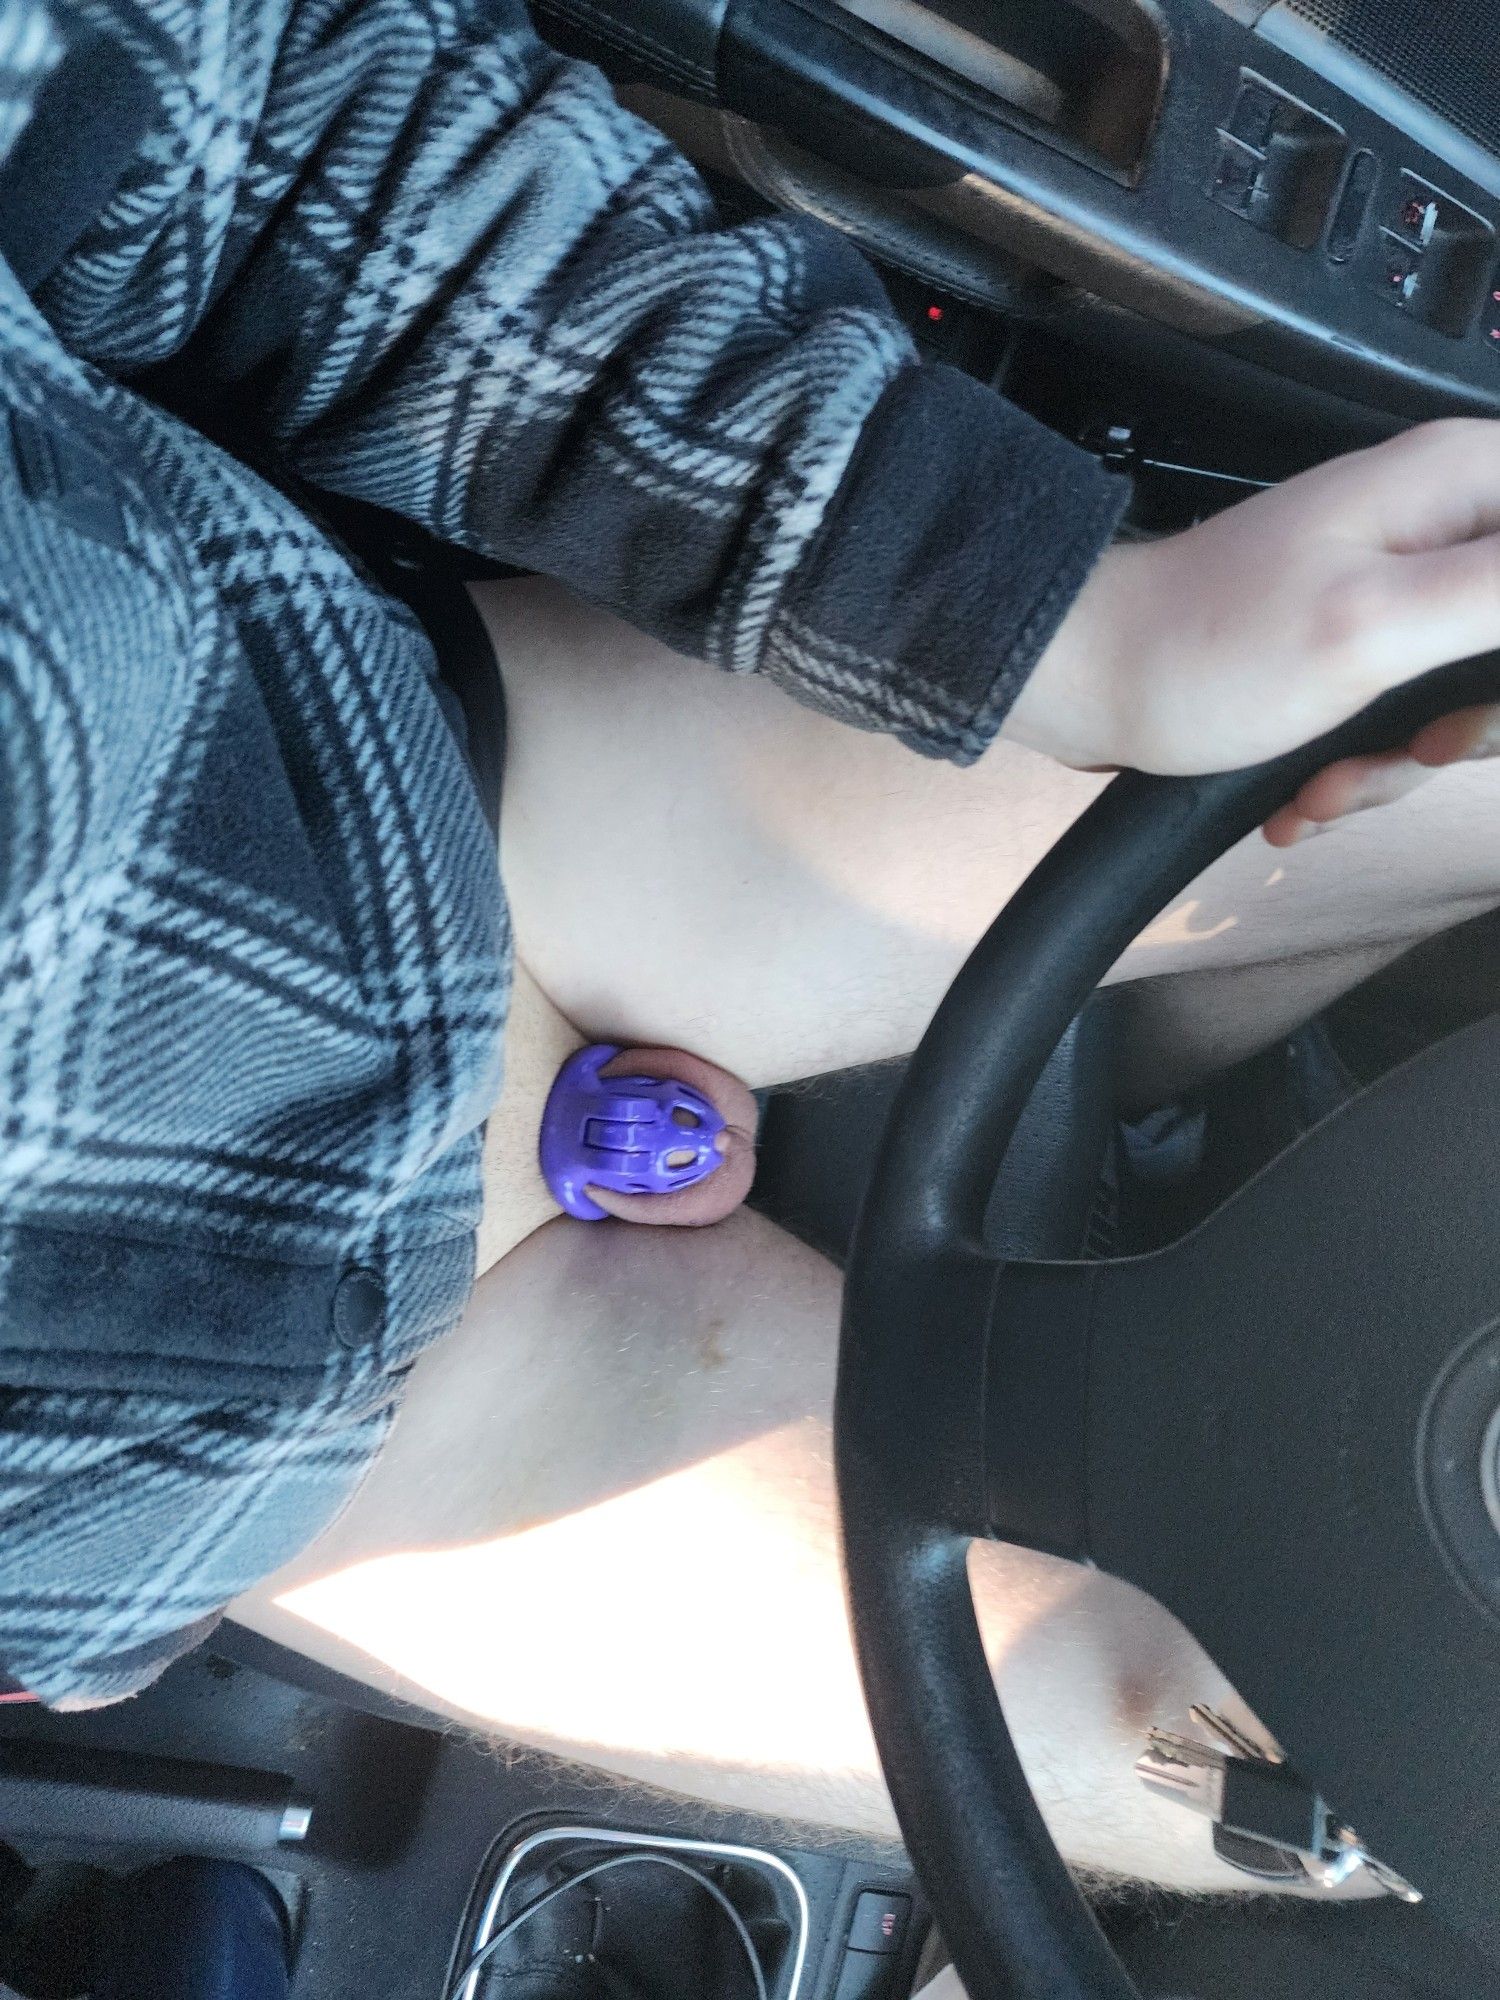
(1075, 705)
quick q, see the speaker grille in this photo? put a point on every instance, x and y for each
(1444, 53)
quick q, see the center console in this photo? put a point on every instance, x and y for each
(582, 1911)
(400, 1848)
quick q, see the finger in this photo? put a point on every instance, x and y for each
(1286, 828)
(725, 1188)
(1455, 739)
(1428, 488)
(1440, 606)
(1357, 784)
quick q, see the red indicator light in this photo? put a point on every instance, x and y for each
(936, 312)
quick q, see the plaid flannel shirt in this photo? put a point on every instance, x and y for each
(253, 948)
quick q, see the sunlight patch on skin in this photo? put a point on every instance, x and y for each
(1179, 925)
(655, 1623)
(931, 891)
(691, 1633)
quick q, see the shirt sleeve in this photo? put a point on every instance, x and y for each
(29, 47)
(450, 275)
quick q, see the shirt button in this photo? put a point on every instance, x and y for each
(358, 1309)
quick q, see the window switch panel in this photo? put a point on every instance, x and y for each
(1279, 163)
(1432, 255)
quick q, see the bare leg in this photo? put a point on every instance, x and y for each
(693, 859)
(605, 1522)
(605, 1525)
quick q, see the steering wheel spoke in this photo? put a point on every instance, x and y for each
(907, 1409)
(1287, 1427)
(1036, 1391)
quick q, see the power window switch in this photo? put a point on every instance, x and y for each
(880, 1922)
(1401, 274)
(1253, 119)
(1237, 176)
(1491, 320)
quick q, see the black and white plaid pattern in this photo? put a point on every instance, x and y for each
(253, 953)
(28, 49)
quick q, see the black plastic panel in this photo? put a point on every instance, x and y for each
(1084, 77)
(1279, 163)
(1254, 1948)
(1441, 63)
(1305, 291)
(406, 1819)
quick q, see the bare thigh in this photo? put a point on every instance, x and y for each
(694, 859)
(605, 1522)
(605, 1525)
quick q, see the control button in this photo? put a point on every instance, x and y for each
(1354, 206)
(1236, 177)
(864, 1975)
(1400, 273)
(879, 1922)
(1432, 255)
(1253, 118)
(1278, 163)
(1490, 319)
(1419, 220)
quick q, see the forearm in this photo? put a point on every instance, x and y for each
(722, 434)
(436, 267)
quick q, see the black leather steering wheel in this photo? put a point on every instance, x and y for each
(1286, 1427)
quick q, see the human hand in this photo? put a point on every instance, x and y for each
(1271, 623)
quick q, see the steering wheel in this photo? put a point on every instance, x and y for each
(1285, 1427)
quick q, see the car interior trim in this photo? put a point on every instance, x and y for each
(613, 1837)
